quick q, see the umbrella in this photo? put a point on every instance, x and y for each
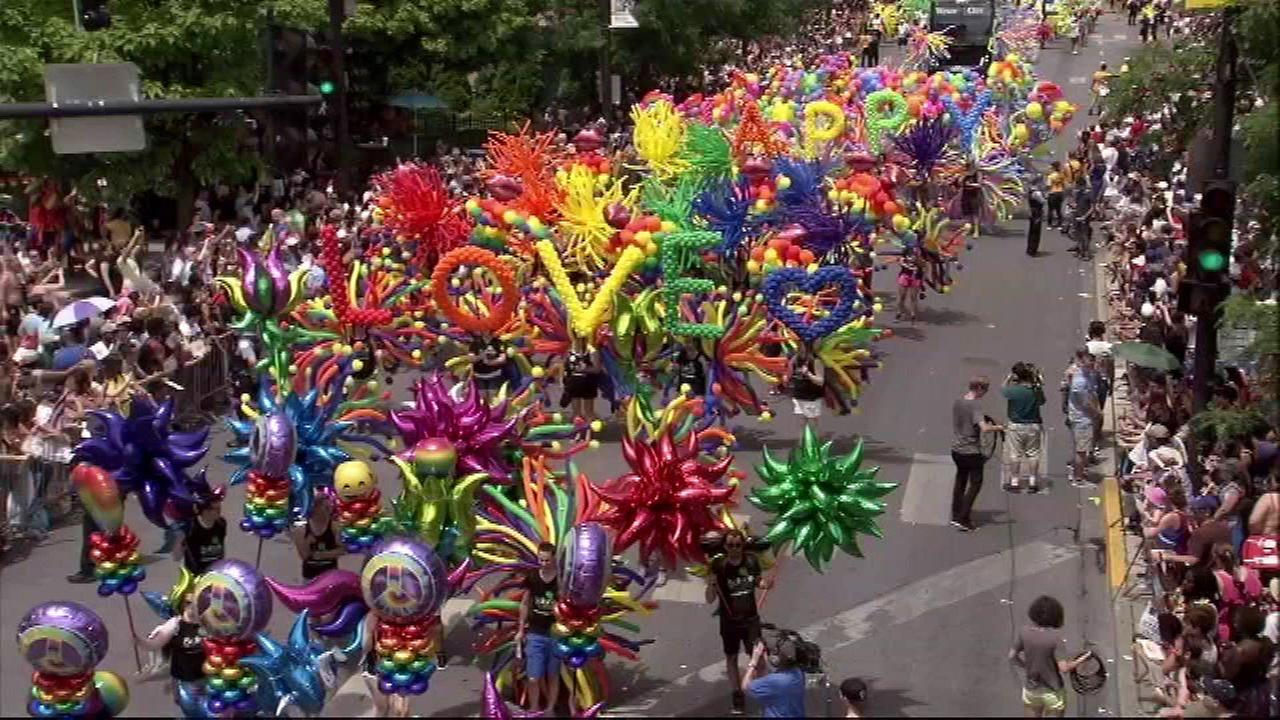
(417, 100)
(81, 310)
(1146, 355)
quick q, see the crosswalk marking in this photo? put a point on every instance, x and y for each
(927, 497)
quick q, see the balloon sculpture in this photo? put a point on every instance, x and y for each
(404, 583)
(435, 505)
(147, 458)
(667, 500)
(595, 598)
(113, 548)
(296, 673)
(819, 502)
(234, 605)
(272, 447)
(264, 294)
(64, 642)
(477, 430)
(359, 506)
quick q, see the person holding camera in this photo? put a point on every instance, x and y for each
(732, 582)
(781, 692)
(1024, 392)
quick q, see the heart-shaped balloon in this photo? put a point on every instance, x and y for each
(783, 280)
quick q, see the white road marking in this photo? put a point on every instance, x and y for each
(895, 608)
(1119, 36)
(1077, 80)
(927, 498)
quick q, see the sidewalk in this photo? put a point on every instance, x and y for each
(1129, 592)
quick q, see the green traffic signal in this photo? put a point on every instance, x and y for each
(1212, 261)
(327, 87)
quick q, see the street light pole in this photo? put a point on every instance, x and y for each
(341, 122)
(606, 18)
(1204, 367)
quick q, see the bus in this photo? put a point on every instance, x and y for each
(969, 24)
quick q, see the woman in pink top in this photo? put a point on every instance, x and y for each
(1238, 585)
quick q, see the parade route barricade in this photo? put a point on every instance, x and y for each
(199, 385)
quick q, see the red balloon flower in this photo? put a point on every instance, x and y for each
(667, 502)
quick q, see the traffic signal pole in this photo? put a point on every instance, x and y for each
(1204, 367)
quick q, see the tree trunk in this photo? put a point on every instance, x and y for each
(184, 188)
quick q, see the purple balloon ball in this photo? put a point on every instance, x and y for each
(274, 445)
(233, 601)
(62, 638)
(585, 565)
(404, 580)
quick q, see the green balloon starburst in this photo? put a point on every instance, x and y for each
(820, 502)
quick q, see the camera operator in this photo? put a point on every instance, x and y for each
(1024, 392)
(732, 582)
(781, 692)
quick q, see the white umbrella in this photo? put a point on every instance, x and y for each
(81, 310)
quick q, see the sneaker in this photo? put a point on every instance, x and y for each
(962, 526)
(739, 703)
(442, 660)
(80, 578)
(662, 578)
(1033, 487)
(1012, 486)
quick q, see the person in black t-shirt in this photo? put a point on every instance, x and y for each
(534, 644)
(182, 641)
(807, 384)
(689, 368)
(488, 365)
(204, 542)
(582, 372)
(732, 583)
(316, 539)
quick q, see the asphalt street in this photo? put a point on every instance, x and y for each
(926, 617)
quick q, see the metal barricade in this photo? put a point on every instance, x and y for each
(206, 380)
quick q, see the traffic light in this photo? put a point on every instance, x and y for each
(290, 53)
(94, 15)
(1209, 237)
(1209, 233)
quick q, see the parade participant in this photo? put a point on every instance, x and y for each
(688, 364)
(384, 704)
(971, 198)
(581, 381)
(488, 365)
(966, 451)
(1098, 89)
(534, 644)
(203, 542)
(807, 386)
(181, 640)
(781, 692)
(1035, 651)
(910, 282)
(732, 583)
(854, 692)
(1035, 205)
(316, 538)
(1024, 391)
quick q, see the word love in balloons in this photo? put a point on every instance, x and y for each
(586, 319)
(848, 300)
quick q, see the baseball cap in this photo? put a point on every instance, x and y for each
(1158, 432)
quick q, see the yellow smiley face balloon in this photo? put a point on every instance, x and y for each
(353, 479)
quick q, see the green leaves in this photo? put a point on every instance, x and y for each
(820, 502)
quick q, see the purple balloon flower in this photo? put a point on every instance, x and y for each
(477, 430)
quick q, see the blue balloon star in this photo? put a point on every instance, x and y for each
(290, 674)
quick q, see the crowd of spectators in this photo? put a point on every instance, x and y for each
(1206, 505)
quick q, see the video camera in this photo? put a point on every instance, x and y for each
(807, 655)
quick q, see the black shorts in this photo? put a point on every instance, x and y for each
(735, 634)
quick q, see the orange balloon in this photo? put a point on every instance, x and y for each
(914, 105)
(464, 319)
